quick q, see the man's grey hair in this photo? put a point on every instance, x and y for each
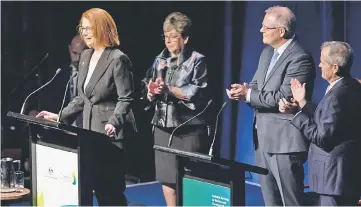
(339, 53)
(285, 18)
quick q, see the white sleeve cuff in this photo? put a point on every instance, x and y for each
(248, 97)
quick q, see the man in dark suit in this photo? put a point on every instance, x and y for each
(75, 49)
(333, 128)
(279, 146)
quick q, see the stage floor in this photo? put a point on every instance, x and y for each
(150, 194)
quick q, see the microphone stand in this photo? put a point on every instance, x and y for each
(171, 136)
(66, 90)
(215, 129)
(23, 106)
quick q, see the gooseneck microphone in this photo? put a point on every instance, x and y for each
(216, 128)
(171, 136)
(56, 73)
(66, 90)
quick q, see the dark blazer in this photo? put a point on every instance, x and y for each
(334, 130)
(107, 97)
(274, 133)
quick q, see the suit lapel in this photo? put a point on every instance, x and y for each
(334, 88)
(340, 83)
(265, 66)
(99, 70)
(280, 60)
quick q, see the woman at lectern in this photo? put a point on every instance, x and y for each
(105, 95)
(176, 89)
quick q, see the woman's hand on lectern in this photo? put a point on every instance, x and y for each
(47, 115)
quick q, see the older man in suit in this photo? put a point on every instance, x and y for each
(279, 146)
(333, 128)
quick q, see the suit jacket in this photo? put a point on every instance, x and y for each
(107, 97)
(274, 133)
(334, 130)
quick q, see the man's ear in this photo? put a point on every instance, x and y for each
(335, 68)
(186, 40)
(283, 33)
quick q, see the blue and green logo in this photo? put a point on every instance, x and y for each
(73, 175)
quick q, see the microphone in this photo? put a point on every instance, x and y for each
(215, 129)
(161, 68)
(171, 136)
(56, 73)
(66, 90)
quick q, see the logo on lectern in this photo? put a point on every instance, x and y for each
(73, 175)
(50, 171)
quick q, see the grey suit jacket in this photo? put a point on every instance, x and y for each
(334, 130)
(107, 97)
(274, 133)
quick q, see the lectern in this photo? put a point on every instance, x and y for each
(60, 155)
(203, 180)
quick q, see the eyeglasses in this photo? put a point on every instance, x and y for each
(87, 29)
(269, 28)
(171, 37)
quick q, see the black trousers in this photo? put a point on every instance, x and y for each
(103, 166)
(283, 185)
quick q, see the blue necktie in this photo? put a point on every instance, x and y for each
(272, 63)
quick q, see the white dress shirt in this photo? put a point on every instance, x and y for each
(93, 63)
(332, 84)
